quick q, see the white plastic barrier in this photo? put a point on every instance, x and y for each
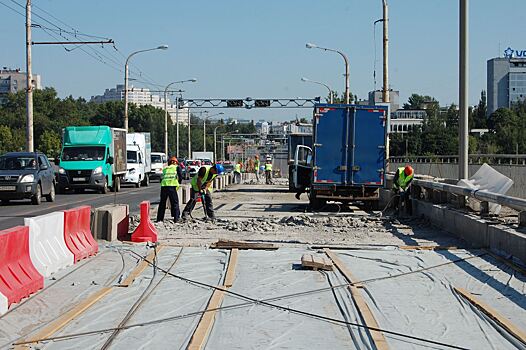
(47, 248)
(3, 304)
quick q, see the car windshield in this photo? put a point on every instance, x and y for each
(17, 162)
(156, 158)
(83, 153)
(131, 156)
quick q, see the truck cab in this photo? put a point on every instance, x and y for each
(91, 158)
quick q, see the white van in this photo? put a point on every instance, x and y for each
(159, 161)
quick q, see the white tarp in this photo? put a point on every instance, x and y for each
(488, 179)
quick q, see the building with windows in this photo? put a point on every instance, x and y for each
(405, 120)
(142, 97)
(506, 82)
(13, 81)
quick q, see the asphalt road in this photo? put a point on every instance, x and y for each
(14, 213)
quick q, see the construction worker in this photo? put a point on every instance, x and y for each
(202, 188)
(171, 178)
(237, 173)
(402, 188)
(257, 164)
(268, 172)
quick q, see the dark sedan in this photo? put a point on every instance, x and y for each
(26, 175)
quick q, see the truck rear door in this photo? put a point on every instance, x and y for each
(330, 143)
(368, 151)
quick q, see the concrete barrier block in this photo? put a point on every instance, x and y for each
(47, 247)
(507, 240)
(186, 194)
(180, 195)
(111, 222)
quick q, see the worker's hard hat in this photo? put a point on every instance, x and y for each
(172, 160)
(408, 170)
(220, 169)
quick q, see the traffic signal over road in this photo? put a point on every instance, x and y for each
(262, 103)
(234, 103)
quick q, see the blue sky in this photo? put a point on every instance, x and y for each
(257, 48)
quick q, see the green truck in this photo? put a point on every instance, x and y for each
(92, 157)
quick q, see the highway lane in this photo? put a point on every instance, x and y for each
(14, 213)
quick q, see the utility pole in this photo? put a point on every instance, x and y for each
(464, 90)
(177, 126)
(189, 134)
(29, 82)
(385, 91)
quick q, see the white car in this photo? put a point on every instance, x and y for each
(192, 167)
(159, 161)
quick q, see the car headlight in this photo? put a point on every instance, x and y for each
(97, 170)
(61, 171)
(28, 178)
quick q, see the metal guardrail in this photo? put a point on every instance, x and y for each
(492, 159)
(485, 196)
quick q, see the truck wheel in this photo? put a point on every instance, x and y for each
(5, 201)
(146, 181)
(37, 198)
(104, 188)
(51, 196)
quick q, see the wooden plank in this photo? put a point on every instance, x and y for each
(315, 262)
(231, 271)
(364, 310)
(202, 331)
(223, 244)
(64, 319)
(427, 247)
(493, 314)
(140, 268)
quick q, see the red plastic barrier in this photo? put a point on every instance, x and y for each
(145, 232)
(77, 233)
(18, 276)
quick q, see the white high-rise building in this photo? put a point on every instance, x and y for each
(141, 97)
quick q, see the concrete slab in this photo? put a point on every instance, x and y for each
(111, 222)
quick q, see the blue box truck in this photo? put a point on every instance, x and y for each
(347, 161)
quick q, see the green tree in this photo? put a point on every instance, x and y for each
(6, 139)
(49, 143)
(507, 127)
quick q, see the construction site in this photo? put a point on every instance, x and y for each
(270, 273)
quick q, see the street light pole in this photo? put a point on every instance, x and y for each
(126, 73)
(319, 83)
(346, 60)
(464, 90)
(385, 90)
(29, 82)
(204, 128)
(193, 80)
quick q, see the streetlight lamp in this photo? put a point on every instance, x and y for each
(162, 47)
(204, 127)
(314, 46)
(319, 83)
(193, 80)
